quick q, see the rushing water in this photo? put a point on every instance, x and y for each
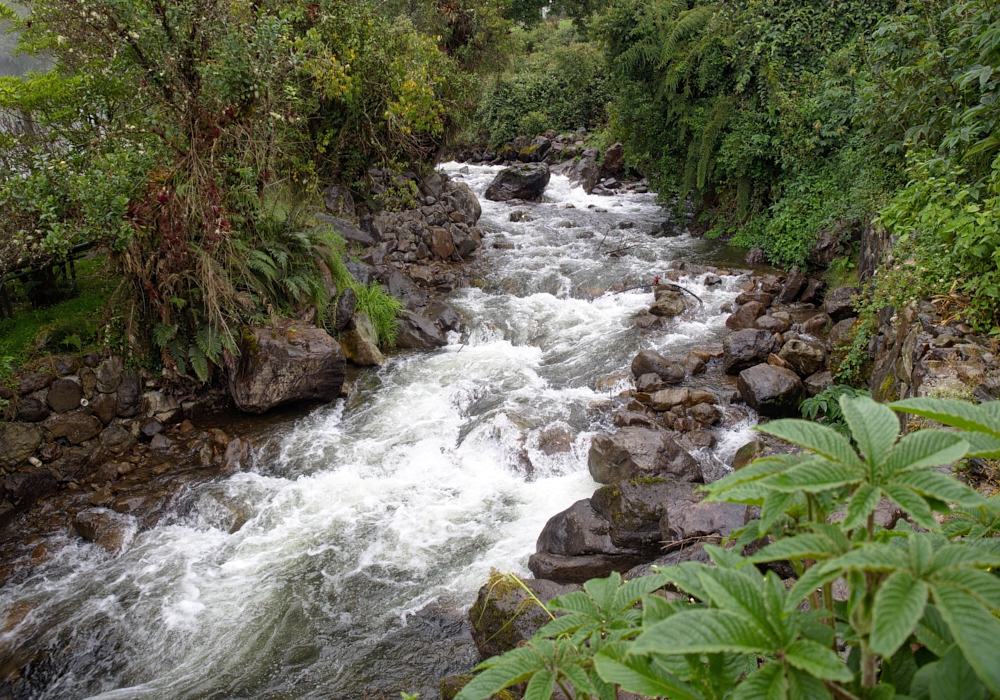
(370, 526)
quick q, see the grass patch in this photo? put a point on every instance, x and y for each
(57, 328)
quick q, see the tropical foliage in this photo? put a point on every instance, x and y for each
(917, 614)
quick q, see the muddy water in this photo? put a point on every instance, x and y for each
(341, 564)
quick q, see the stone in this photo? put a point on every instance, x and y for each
(794, 285)
(818, 382)
(581, 568)
(804, 357)
(820, 323)
(88, 380)
(772, 324)
(585, 172)
(813, 291)
(64, 395)
(745, 316)
(24, 488)
(74, 426)
(704, 413)
(347, 229)
(839, 330)
(109, 375)
(339, 201)
(699, 520)
(650, 362)
(761, 297)
(520, 216)
(464, 200)
(344, 309)
(634, 509)
(668, 304)
(577, 530)
(526, 182)
(712, 280)
(637, 452)
(32, 410)
(748, 453)
(755, 256)
(694, 552)
(702, 396)
(129, 395)
(17, 443)
(667, 399)
(614, 160)
(418, 333)
(694, 364)
(441, 243)
(285, 363)
(443, 316)
(778, 361)
(116, 440)
(67, 364)
(649, 383)
(505, 615)
(556, 439)
(160, 442)
(151, 428)
(360, 343)
(747, 348)
(771, 391)
(696, 440)
(30, 383)
(104, 527)
(105, 407)
(839, 303)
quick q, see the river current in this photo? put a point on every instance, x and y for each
(369, 525)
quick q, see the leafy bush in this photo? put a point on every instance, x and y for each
(919, 618)
(824, 407)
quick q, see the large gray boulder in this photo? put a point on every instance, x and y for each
(75, 426)
(347, 229)
(636, 508)
(17, 442)
(360, 342)
(651, 362)
(771, 391)
(804, 357)
(519, 182)
(745, 316)
(636, 452)
(418, 333)
(840, 303)
(461, 197)
(586, 172)
(747, 348)
(698, 520)
(291, 361)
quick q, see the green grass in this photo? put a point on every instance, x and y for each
(79, 316)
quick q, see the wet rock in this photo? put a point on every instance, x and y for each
(581, 568)
(586, 172)
(105, 407)
(520, 216)
(556, 439)
(813, 292)
(712, 280)
(443, 316)
(74, 426)
(650, 362)
(25, 488)
(129, 395)
(771, 284)
(344, 310)
(339, 201)
(794, 285)
(525, 182)
(505, 615)
(460, 196)
(401, 287)
(347, 230)
(772, 324)
(771, 391)
(36, 381)
(745, 316)
(840, 303)
(285, 363)
(649, 383)
(614, 161)
(702, 396)
(32, 410)
(694, 364)
(698, 520)
(151, 428)
(633, 453)
(778, 361)
(695, 552)
(418, 333)
(667, 399)
(668, 304)
(804, 357)
(820, 323)
(64, 395)
(818, 382)
(839, 330)
(758, 296)
(109, 375)
(746, 348)
(118, 441)
(704, 413)
(88, 380)
(756, 256)
(237, 451)
(441, 243)
(748, 453)
(17, 443)
(577, 530)
(104, 527)
(634, 509)
(360, 343)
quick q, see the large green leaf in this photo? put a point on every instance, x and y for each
(982, 585)
(705, 631)
(925, 448)
(982, 444)
(603, 590)
(636, 674)
(975, 631)
(933, 632)
(943, 487)
(954, 679)
(956, 554)
(564, 625)
(807, 546)
(958, 414)
(899, 605)
(814, 578)
(817, 660)
(766, 683)
(513, 667)
(736, 592)
(633, 590)
(817, 438)
(863, 502)
(540, 686)
(874, 427)
(576, 602)
(914, 505)
(775, 505)
(814, 476)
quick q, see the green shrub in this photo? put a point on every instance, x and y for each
(922, 605)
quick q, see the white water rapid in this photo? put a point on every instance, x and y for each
(370, 526)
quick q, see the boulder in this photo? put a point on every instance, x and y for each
(525, 182)
(32, 410)
(794, 285)
(505, 615)
(772, 324)
(118, 441)
(650, 362)
(746, 315)
(460, 196)
(695, 552)
(762, 297)
(104, 527)
(697, 520)
(418, 333)
(804, 357)
(64, 395)
(88, 380)
(109, 375)
(74, 426)
(339, 201)
(441, 243)
(636, 452)
(839, 330)
(649, 383)
(694, 364)
(667, 399)
(577, 530)
(635, 508)
(771, 391)
(25, 488)
(755, 256)
(813, 291)
(747, 348)
(129, 395)
(347, 230)
(586, 172)
(581, 568)
(30, 383)
(748, 453)
(344, 310)
(105, 407)
(704, 413)
(817, 383)
(288, 362)
(520, 216)
(17, 442)
(614, 161)
(840, 303)
(443, 316)
(668, 303)
(817, 324)
(360, 342)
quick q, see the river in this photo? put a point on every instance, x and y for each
(368, 526)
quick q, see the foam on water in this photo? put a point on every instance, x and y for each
(366, 535)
